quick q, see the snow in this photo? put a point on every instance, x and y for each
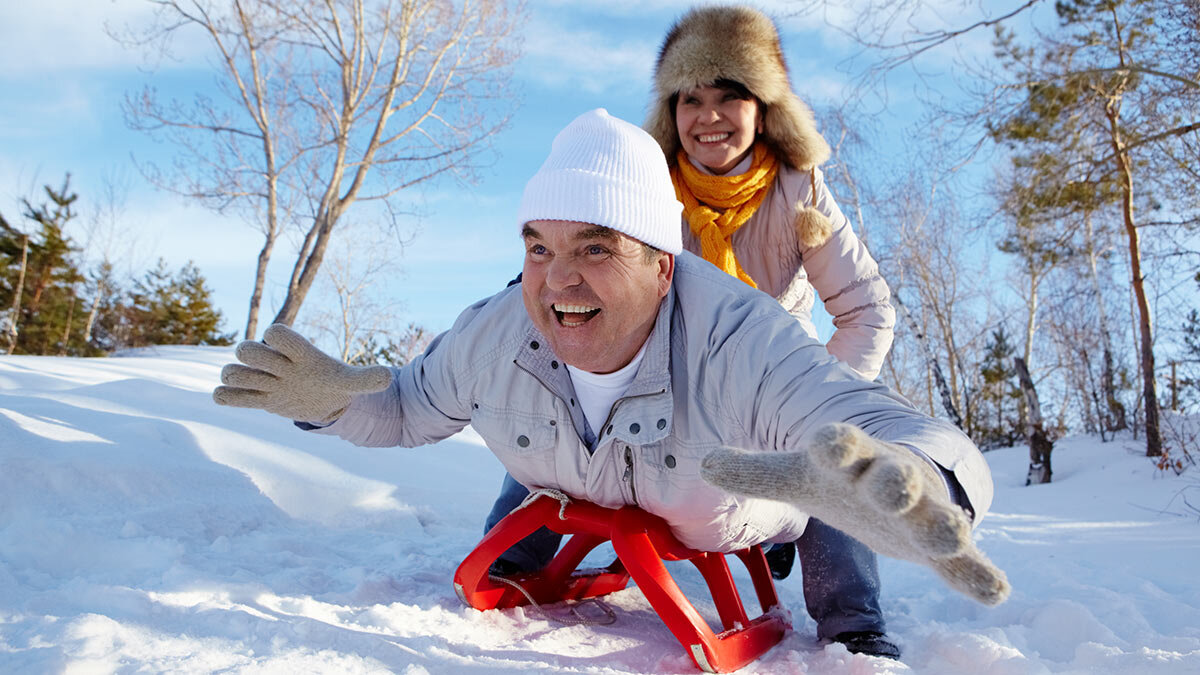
(144, 528)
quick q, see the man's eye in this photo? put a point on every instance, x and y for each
(596, 250)
(537, 249)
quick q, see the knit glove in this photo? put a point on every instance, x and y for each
(285, 374)
(881, 494)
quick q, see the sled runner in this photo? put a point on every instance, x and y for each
(642, 542)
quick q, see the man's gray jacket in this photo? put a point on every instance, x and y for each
(725, 366)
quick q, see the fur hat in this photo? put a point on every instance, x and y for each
(606, 171)
(741, 44)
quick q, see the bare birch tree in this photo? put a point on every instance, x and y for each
(360, 313)
(901, 32)
(326, 103)
(918, 238)
(936, 289)
(106, 242)
(1130, 68)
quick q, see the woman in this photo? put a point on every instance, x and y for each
(743, 152)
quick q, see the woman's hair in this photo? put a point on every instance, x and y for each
(736, 87)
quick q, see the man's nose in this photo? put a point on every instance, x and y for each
(563, 272)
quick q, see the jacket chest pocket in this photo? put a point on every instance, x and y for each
(514, 434)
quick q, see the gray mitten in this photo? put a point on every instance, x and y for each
(285, 374)
(881, 494)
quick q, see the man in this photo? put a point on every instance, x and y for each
(624, 371)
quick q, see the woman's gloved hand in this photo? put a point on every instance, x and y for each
(285, 374)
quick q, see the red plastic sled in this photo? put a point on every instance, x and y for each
(641, 541)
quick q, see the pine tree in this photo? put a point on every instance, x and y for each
(166, 309)
(43, 289)
(997, 425)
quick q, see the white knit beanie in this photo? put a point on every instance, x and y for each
(606, 171)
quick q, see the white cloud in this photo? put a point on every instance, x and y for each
(49, 37)
(39, 110)
(610, 46)
(789, 14)
(178, 231)
(559, 56)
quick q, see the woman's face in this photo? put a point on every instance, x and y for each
(716, 126)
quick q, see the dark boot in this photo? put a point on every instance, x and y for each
(504, 568)
(780, 559)
(868, 642)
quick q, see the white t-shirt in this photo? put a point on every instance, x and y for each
(597, 393)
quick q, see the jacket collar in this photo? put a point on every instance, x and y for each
(653, 377)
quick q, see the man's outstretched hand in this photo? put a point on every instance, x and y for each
(881, 494)
(285, 374)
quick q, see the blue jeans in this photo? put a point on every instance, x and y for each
(533, 552)
(841, 575)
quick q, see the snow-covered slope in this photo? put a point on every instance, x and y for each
(143, 528)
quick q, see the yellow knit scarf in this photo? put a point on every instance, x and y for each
(716, 206)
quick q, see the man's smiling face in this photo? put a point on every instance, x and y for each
(593, 292)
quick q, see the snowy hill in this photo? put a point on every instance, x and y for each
(144, 528)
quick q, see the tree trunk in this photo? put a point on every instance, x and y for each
(1031, 304)
(260, 279)
(66, 338)
(1040, 445)
(91, 320)
(949, 389)
(307, 268)
(932, 364)
(264, 255)
(13, 331)
(1149, 388)
(1113, 418)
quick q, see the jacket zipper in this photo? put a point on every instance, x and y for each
(628, 451)
(629, 473)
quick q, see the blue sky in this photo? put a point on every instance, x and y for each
(64, 79)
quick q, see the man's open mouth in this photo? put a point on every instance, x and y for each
(574, 315)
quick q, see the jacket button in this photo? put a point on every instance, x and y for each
(523, 441)
(670, 461)
(534, 345)
(634, 428)
(662, 424)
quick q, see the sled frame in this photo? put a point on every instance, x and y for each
(642, 542)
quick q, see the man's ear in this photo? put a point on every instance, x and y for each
(666, 273)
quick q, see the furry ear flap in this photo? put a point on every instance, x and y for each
(812, 227)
